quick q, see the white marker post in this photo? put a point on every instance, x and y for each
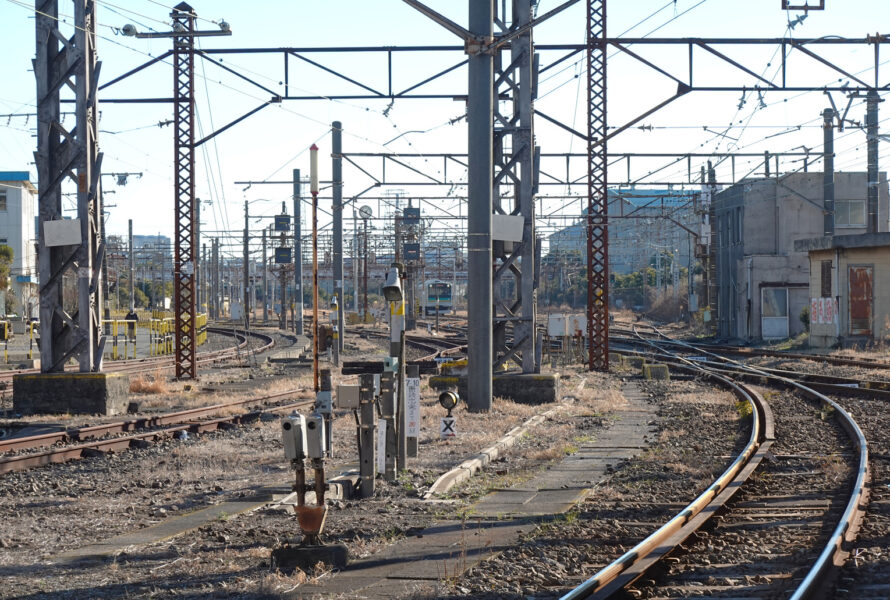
(381, 446)
(412, 408)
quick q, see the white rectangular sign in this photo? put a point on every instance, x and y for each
(447, 428)
(381, 446)
(412, 407)
(62, 232)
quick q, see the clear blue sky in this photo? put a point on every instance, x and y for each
(271, 143)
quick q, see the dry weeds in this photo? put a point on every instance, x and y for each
(149, 383)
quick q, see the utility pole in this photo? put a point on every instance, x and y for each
(132, 258)
(354, 261)
(298, 257)
(337, 210)
(871, 126)
(202, 289)
(265, 283)
(313, 189)
(480, 115)
(828, 173)
(68, 330)
(246, 307)
(214, 282)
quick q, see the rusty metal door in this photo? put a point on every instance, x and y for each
(860, 279)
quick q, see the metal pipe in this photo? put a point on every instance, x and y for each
(132, 265)
(828, 173)
(298, 258)
(246, 270)
(480, 113)
(313, 189)
(337, 210)
(265, 283)
(871, 126)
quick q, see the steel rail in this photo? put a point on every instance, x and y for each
(809, 378)
(147, 363)
(834, 553)
(656, 541)
(61, 455)
(80, 434)
(745, 350)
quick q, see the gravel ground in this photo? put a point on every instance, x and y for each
(50, 510)
(867, 573)
(54, 509)
(761, 542)
(819, 367)
(700, 432)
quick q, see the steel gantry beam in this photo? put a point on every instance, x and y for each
(597, 192)
(68, 251)
(185, 254)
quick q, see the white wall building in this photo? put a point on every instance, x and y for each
(18, 209)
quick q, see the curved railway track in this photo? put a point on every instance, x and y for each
(785, 532)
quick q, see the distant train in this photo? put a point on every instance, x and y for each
(437, 295)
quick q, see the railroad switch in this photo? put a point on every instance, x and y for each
(304, 437)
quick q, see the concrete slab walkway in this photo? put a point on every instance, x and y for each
(449, 548)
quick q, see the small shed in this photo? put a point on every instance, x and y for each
(849, 288)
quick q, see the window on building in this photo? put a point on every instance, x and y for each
(3, 200)
(826, 279)
(738, 222)
(849, 213)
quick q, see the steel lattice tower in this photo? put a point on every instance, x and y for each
(514, 164)
(72, 329)
(185, 245)
(597, 194)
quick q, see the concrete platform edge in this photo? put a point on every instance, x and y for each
(471, 466)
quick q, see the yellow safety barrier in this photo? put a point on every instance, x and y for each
(123, 338)
(161, 335)
(31, 327)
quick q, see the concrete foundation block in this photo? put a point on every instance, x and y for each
(635, 362)
(656, 371)
(616, 359)
(289, 558)
(522, 388)
(73, 393)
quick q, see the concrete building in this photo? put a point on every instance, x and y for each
(763, 281)
(642, 224)
(18, 210)
(849, 288)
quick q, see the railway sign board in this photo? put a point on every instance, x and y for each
(412, 407)
(411, 250)
(447, 428)
(411, 216)
(282, 222)
(282, 256)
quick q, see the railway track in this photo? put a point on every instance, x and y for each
(151, 363)
(20, 453)
(780, 534)
(25, 452)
